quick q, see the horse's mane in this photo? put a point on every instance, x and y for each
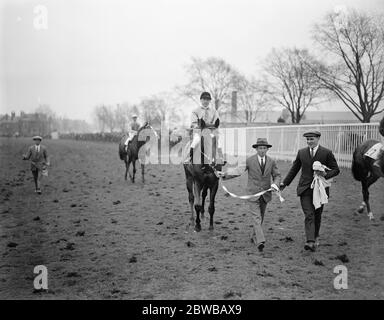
(381, 128)
(381, 160)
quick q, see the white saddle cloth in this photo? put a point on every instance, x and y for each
(374, 151)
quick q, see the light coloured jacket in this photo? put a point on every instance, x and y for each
(209, 115)
(257, 181)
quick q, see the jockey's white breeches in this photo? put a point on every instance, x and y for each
(195, 140)
(131, 134)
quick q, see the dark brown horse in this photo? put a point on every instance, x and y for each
(131, 155)
(199, 180)
(367, 170)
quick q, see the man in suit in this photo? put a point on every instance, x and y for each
(39, 161)
(304, 161)
(262, 171)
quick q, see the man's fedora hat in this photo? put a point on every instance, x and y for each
(37, 138)
(261, 142)
(205, 95)
(312, 133)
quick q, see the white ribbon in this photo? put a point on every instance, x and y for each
(256, 195)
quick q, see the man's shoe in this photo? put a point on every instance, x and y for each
(310, 246)
(261, 247)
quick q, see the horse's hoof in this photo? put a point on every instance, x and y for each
(210, 228)
(197, 228)
(360, 210)
(370, 216)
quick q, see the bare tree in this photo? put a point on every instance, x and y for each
(213, 75)
(105, 116)
(291, 82)
(123, 113)
(46, 110)
(355, 42)
(252, 97)
(158, 107)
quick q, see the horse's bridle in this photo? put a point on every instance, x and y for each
(154, 131)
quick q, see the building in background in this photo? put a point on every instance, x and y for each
(25, 125)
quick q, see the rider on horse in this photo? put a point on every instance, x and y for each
(134, 128)
(208, 113)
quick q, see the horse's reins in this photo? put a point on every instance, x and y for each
(154, 131)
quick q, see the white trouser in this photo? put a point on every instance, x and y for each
(131, 134)
(195, 140)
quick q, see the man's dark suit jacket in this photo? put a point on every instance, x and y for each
(38, 159)
(304, 162)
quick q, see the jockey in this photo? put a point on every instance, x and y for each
(205, 112)
(134, 128)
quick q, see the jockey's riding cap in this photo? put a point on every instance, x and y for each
(261, 142)
(313, 133)
(134, 116)
(37, 138)
(205, 95)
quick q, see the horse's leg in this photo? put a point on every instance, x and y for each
(211, 208)
(191, 198)
(197, 203)
(366, 184)
(203, 196)
(127, 164)
(142, 171)
(134, 170)
(362, 206)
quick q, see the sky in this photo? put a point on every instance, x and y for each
(112, 51)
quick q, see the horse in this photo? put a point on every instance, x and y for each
(199, 180)
(367, 170)
(132, 153)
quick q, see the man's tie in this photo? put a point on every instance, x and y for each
(262, 165)
(312, 153)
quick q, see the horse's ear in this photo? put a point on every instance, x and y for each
(217, 123)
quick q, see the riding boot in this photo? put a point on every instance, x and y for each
(202, 162)
(191, 155)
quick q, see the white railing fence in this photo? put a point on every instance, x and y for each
(342, 139)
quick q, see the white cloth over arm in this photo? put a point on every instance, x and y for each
(320, 196)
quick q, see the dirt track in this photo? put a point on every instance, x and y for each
(103, 238)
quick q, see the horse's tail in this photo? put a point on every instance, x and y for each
(358, 169)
